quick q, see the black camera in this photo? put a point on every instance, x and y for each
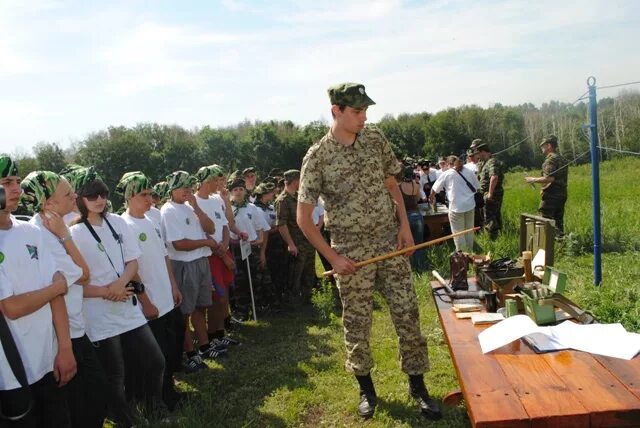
(138, 287)
(3, 198)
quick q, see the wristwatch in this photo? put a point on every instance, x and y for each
(66, 238)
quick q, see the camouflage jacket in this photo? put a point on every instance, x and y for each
(350, 180)
(286, 206)
(554, 166)
(490, 168)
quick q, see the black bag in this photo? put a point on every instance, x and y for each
(477, 196)
(15, 362)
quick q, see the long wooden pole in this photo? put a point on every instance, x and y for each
(407, 250)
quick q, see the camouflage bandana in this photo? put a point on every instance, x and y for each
(161, 189)
(131, 184)
(207, 172)
(263, 188)
(37, 187)
(179, 180)
(8, 168)
(78, 176)
(236, 182)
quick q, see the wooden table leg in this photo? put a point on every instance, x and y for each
(453, 398)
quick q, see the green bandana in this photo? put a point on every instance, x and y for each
(131, 184)
(179, 180)
(8, 168)
(263, 188)
(78, 176)
(236, 182)
(161, 189)
(37, 187)
(207, 172)
(237, 205)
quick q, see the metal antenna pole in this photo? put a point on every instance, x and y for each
(595, 177)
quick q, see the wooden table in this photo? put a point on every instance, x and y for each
(515, 387)
(436, 222)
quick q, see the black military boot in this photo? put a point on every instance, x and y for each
(368, 398)
(429, 407)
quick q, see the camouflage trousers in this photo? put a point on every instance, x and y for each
(553, 208)
(302, 271)
(392, 278)
(493, 216)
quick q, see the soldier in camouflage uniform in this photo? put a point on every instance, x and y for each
(352, 168)
(554, 182)
(302, 268)
(491, 177)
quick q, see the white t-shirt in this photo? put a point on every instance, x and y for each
(68, 218)
(425, 178)
(244, 224)
(155, 215)
(269, 213)
(71, 271)
(214, 209)
(180, 222)
(27, 265)
(471, 167)
(105, 318)
(460, 196)
(318, 210)
(151, 263)
(257, 217)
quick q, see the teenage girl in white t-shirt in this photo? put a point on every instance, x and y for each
(114, 320)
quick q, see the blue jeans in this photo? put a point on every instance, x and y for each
(416, 223)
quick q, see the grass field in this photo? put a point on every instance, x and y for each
(289, 370)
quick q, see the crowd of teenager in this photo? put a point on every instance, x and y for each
(103, 308)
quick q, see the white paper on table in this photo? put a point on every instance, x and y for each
(611, 340)
(245, 249)
(505, 332)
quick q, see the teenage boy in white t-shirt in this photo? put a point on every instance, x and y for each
(51, 198)
(186, 228)
(244, 224)
(32, 303)
(220, 262)
(155, 271)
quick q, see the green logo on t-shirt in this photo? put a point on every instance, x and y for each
(143, 236)
(1, 256)
(100, 247)
(188, 221)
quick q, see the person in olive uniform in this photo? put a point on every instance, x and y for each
(353, 168)
(554, 182)
(491, 176)
(302, 269)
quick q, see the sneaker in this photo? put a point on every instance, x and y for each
(213, 352)
(227, 341)
(193, 364)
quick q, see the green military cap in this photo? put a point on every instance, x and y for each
(349, 94)
(291, 175)
(263, 188)
(8, 168)
(250, 170)
(550, 139)
(478, 144)
(236, 182)
(275, 172)
(37, 187)
(132, 183)
(180, 180)
(470, 152)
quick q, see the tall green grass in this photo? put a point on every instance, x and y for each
(289, 371)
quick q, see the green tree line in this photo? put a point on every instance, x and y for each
(514, 131)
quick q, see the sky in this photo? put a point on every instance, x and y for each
(70, 68)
